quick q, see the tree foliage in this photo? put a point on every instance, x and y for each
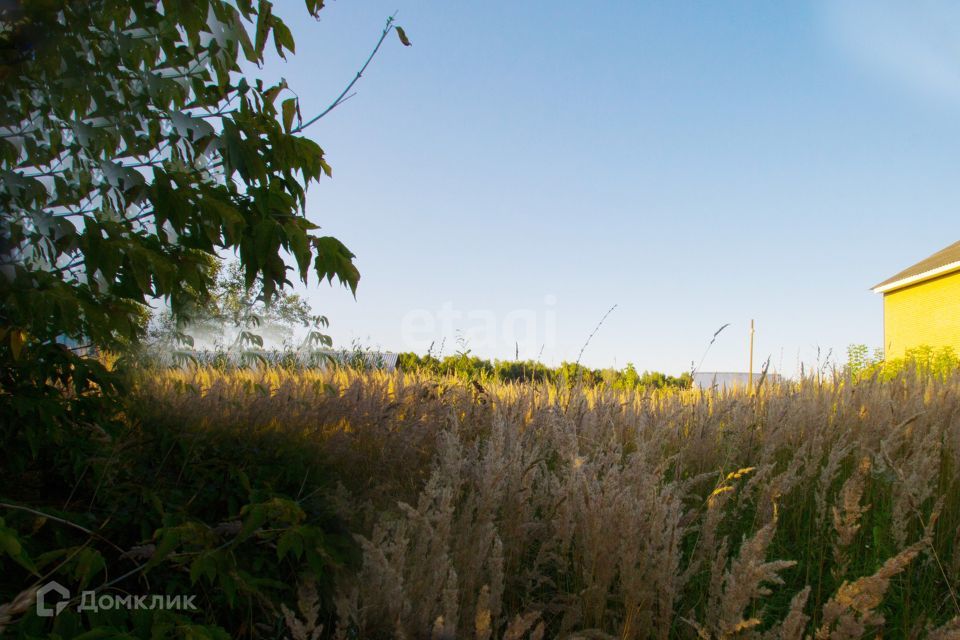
(234, 316)
(463, 365)
(922, 359)
(132, 151)
(133, 156)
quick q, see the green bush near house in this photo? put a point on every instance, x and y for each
(927, 360)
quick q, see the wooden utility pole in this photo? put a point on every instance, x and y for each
(751, 356)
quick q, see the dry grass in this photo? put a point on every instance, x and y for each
(825, 510)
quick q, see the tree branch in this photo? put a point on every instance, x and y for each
(343, 95)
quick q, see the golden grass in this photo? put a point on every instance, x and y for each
(827, 510)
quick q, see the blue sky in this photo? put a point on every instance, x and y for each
(693, 163)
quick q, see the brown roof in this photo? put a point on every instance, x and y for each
(941, 258)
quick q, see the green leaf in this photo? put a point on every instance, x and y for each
(169, 541)
(334, 260)
(86, 564)
(9, 543)
(403, 36)
(326, 167)
(10, 546)
(282, 38)
(256, 516)
(290, 542)
(249, 52)
(289, 108)
(204, 565)
(299, 245)
(264, 20)
(270, 95)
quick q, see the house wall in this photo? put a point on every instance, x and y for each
(927, 313)
(729, 379)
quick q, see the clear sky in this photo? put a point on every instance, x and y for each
(526, 165)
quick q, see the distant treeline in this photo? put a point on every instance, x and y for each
(474, 368)
(461, 365)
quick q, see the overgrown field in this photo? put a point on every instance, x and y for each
(825, 508)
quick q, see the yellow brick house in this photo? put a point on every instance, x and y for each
(921, 304)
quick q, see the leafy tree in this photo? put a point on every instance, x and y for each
(628, 378)
(132, 154)
(234, 302)
(239, 314)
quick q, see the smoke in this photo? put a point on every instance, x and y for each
(214, 336)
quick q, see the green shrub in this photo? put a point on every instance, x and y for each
(236, 518)
(924, 360)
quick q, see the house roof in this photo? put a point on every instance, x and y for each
(943, 261)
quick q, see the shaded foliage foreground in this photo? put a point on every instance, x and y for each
(820, 509)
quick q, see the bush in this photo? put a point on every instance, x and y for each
(924, 360)
(237, 517)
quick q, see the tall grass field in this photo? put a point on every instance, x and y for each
(824, 508)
